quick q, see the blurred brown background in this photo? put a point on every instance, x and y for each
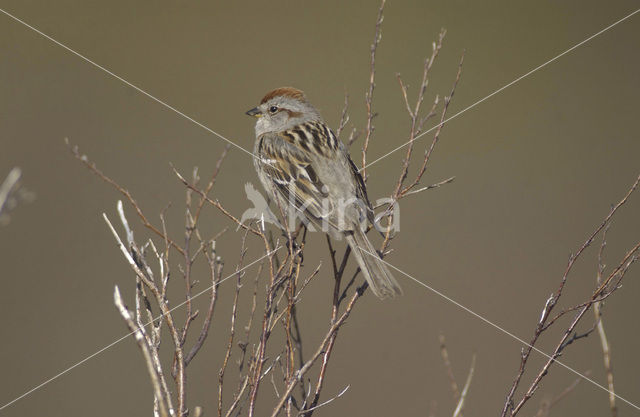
(536, 167)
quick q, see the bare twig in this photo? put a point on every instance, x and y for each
(546, 405)
(344, 116)
(432, 186)
(427, 156)
(353, 136)
(463, 395)
(338, 395)
(369, 95)
(232, 330)
(414, 114)
(215, 266)
(247, 329)
(212, 182)
(146, 352)
(604, 342)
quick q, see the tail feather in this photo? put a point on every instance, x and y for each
(382, 283)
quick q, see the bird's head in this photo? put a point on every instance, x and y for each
(282, 109)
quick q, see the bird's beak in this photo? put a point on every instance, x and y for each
(254, 112)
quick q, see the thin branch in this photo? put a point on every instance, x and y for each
(606, 354)
(427, 156)
(369, 95)
(344, 116)
(546, 405)
(146, 352)
(247, 328)
(340, 394)
(353, 136)
(604, 342)
(212, 182)
(215, 266)
(232, 330)
(432, 186)
(414, 114)
(463, 395)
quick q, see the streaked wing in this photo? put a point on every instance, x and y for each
(289, 167)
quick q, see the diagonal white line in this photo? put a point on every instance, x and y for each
(504, 87)
(152, 97)
(115, 342)
(489, 322)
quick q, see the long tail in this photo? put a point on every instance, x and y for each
(382, 283)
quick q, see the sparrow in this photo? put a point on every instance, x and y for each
(307, 171)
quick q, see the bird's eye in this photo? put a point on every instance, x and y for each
(273, 109)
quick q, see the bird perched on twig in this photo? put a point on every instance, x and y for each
(308, 173)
